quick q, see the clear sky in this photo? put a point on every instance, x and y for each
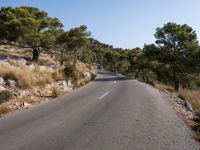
(122, 23)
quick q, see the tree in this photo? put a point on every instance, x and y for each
(177, 46)
(73, 41)
(29, 26)
(112, 60)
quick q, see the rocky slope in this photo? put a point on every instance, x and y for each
(23, 83)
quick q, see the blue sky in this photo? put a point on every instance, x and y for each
(122, 23)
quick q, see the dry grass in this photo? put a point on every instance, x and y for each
(164, 88)
(193, 96)
(58, 75)
(24, 76)
(55, 92)
(4, 110)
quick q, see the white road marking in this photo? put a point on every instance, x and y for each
(101, 97)
(115, 81)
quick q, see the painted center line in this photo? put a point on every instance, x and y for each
(101, 97)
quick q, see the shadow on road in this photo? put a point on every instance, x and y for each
(114, 78)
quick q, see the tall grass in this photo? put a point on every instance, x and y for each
(24, 76)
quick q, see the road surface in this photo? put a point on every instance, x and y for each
(111, 113)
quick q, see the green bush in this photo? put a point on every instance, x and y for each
(72, 73)
(147, 76)
(5, 95)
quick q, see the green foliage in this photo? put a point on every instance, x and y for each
(75, 41)
(28, 26)
(71, 72)
(178, 44)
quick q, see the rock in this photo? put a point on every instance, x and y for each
(197, 114)
(16, 106)
(37, 91)
(188, 106)
(2, 82)
(25, 105)
(2, 88)
(23, 93)
(11, 83)
(69, 83)
(62, 83)
(180, 101)
(190, 115)
(87, 74)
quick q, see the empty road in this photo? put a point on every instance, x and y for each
(111, 113)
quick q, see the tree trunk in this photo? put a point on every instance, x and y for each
(137, 73)
(176, 81)
(176, 85)
(61, 58)
(36, 54)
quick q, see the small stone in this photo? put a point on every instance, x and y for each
(69, 83)
(87, 74)
(188, 106)
(2, 88)
(2, 82)
(25, 105)
(11, 83)
(197, 114)
(24, 93)
(62, 83)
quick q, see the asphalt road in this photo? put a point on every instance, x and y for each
(110, 113)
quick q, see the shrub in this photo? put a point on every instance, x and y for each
(58, 75)
(55, 92)
(24, 76)
(4, 110)
(147, 76)
(70, 71)
(5, 95)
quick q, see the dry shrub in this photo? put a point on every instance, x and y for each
(5, 95)
(164, 88)
(58, 75)
(55, 92)
(24, 76)
(4, 110)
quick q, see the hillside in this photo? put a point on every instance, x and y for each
(23, 83)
